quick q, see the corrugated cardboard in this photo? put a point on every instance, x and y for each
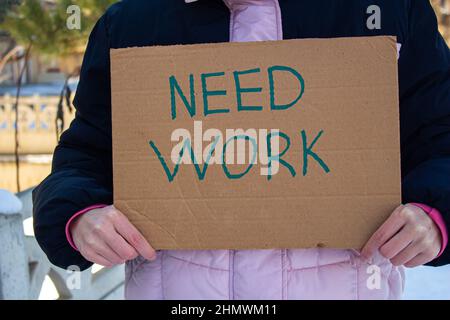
(350, 97)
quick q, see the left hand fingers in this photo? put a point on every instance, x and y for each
(389, 228)
(420, 259)
(411, 251)
(397, 243)
(416, 242)
(417, 253)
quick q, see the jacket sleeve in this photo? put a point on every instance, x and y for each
(81, 173)
(424, 69)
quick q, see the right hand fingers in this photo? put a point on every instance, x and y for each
(129, 232)
(104, 250)
(111, 249)
(95, 249)
(99, 240)
(120, 246)
(96, 258)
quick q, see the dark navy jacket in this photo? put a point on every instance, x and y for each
(82, 167)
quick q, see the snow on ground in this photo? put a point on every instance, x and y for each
(424, 283)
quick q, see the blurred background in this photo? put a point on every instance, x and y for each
(40, 57)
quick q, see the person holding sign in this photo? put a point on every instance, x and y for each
(76, 224)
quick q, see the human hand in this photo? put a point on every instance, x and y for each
(409, 237)
(106, 237)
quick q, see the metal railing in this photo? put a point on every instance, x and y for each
(36, 123)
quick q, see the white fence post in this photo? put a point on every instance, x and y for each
(14, 275)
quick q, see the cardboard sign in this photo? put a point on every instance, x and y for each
(284, 144)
